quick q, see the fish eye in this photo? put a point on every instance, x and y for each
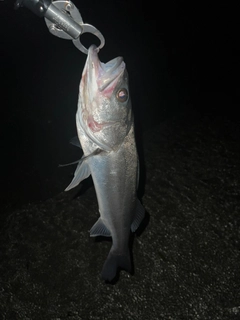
(122, 95)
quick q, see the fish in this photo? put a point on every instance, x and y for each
(105, 128)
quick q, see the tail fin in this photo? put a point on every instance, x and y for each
(114, 262)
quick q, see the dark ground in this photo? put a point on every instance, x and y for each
(183, 64)
(186, 260)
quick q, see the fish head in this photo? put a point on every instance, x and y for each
(104, 104)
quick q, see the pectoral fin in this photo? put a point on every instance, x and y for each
(99, 229)
(139, 215)
(82, 172)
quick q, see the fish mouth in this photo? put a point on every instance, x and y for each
(106, 74)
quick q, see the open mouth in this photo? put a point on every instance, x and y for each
(106, 73)
(112, 70)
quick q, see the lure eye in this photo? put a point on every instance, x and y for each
(122, 95)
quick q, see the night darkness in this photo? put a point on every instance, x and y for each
(183, 65)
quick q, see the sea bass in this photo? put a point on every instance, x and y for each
(106, 132)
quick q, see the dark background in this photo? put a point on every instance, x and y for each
(183, 64)
(181, 58)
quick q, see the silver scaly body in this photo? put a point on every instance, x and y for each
(106, 133)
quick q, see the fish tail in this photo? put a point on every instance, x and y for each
(114, 262)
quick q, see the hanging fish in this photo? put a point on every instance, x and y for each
(106, 132)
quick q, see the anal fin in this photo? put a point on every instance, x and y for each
(99, 229)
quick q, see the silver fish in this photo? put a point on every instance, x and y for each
(106, 132)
